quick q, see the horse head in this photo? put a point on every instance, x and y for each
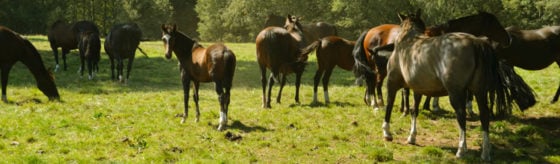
(411, 23)
(295, 29)
(168, 32)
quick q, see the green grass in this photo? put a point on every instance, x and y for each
(104, 121)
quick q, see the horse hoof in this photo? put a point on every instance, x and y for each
(221, 128)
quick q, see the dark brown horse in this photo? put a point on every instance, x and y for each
(198, 64)
(14, 48)
(452, 64)
(89, 46)
(282, 50)
(331, 51)
(311, 31)
(67, 36)
(120, 44)
(533, 49)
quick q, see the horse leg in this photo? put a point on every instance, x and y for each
(557, 94)
(112, 68)
(55, 53)
(298, 83)
(223, 109)
(5, 72)
(405, 106)
(263, 84)
(485, 122)
(186, 87)
(90, 69)
(128, 68)
(82, 65)
(282, 83)
(413, 116)
(458, 101)
(435, 104)
(391, 94)
(326, 79)
(270, 83)
(316, 80)
(120, 65)
(370, 88)
(427, 103)
(64, 52)
(379, 89)
(469, 105)
(195, 98)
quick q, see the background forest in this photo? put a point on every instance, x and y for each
(241, 20)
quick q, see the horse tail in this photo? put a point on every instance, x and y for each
(142, 51)
(230, 62)
(360, 59)
(504, 85)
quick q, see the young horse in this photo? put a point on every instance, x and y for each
(282, 50)
(373, 67)
(121, 43)
(533, 49)
(15, 48)
(331, 51)
(89, 47)
(67, 37)
(198, 64)
(453, 64)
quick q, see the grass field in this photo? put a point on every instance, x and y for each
(104, 121)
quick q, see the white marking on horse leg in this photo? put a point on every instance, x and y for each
(435, 104)
(5, 98)
(56, 68)
(387, 131)
(264, 101)
(486, 147)
(184, 118)
(462, 145)
(314, 98)
(326, 94)
(120, 78)
(412, 136)
(223, 121)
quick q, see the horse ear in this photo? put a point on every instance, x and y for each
(401, 16)
(174, 27)
(163, 27)
(289, 18)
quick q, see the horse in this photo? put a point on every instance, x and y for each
(542, 44)
(215, 63)
(331, 51)
(480, 24)
(15, 48)
(451, 64)
(373, 67)
(89, 47)
(67, 36)
(283, 51)
(120, 44)
(312, 31)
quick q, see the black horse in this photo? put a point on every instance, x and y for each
(89, 46)
(121, 43)
(67, 36)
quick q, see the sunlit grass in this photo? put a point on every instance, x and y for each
(105, 121)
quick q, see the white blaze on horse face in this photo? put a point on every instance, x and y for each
(166, 39)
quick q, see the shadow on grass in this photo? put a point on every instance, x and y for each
(236, 124)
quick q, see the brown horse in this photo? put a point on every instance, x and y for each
(198, 64)
(89, 46)
(331, 51)
(533, 49)
(452, 64)
(282, 50)
(373, 67)
(67, 36)
(15, 48)
(120, 44)
(311, 31)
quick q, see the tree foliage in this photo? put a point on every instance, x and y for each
(241, 20)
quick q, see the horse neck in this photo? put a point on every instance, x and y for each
(35, 64)
(184, 51)
(408, 36)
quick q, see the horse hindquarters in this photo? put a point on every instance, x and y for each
(226, 84)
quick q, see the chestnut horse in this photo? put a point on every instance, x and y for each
(120, 44)
(15, 48)
(331, 51)
(451, 64)
(198, 64)
(282, 50)
(67, 36)
(89, 46)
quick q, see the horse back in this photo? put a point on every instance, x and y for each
(275, 47)
(123, 40)
(532, 49)
(335, 51)
(211, 63)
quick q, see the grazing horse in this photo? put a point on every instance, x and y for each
(451, 64)
(533, 49)
(331, 51)
(89, 46)
(373, 67)
(198, 64)
(311, 31)
(14, 48)
(67, 36)
(282, 50)
(120, 44)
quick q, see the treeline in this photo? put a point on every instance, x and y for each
(241, 20)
